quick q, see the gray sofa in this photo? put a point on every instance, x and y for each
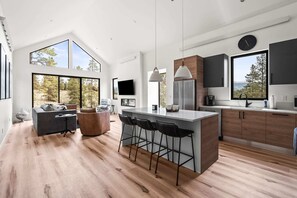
(45, 122)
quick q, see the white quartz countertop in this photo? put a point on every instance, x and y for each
(186, 115)
(252, 109)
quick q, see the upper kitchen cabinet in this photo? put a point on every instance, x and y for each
(215, 71)
(283, 62)
(194, 63)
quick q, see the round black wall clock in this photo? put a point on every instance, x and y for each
(247, 42)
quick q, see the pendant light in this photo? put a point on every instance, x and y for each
(155, 77)
(183, 71)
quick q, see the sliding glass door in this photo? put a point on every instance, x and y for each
(70, 90)
(85, 92)
(90, 92)
(45, 89)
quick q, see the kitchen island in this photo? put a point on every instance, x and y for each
(205, 127)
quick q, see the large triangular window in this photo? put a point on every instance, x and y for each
(83, 60)
(55, 55)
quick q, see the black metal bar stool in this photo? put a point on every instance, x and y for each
(172, 130)
(126, 120)
(147, 125)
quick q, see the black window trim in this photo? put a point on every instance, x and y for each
(88, 54)
(51, 46)
(113, 89)
(232, 73)
(159, 89)
(66, 76)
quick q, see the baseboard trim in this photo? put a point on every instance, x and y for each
(259, 145)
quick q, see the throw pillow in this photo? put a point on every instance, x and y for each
(59, 107)
(48, 107)
(43, 106)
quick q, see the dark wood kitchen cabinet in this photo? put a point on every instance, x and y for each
(279, 129)
(283, 62)
(231, 123)
(215, 71)
(249, 125)
(195, 65)
(274, 128)
(253, 126)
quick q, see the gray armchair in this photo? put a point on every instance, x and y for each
(105, 105)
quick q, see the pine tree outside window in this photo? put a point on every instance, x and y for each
(70, 90)
(162, 90)
(57, 55)
(54, 89)
(90, 92)
(45, 89)
(84, 61)
(54, 56)
(249, 75)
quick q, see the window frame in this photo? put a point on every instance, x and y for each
(113, 80)
(159, 88)
(59, 86)
(232, 73)
(68, 59)
(81, 78)
(100, 70)
(65, 76)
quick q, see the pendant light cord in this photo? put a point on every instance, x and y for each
(155, 34)
(182, 21)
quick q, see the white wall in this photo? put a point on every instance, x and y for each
(167, 54)
(5, 105)
(23, 72)
(129, 68)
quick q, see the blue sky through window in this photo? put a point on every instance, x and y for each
(81, 58)
(242, 67)
(61, 50)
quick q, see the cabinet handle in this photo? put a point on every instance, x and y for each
(243, 115)
(271, 75)
(279, 114)
(239, 115)
(223, 81)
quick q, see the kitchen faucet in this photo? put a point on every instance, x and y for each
(246, 100)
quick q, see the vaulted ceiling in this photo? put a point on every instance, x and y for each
(117, 28)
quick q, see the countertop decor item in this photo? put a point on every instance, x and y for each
(172, 108)
(272, 102)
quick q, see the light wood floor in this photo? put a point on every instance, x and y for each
(74, 166)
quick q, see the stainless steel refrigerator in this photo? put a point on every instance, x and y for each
(184, 94)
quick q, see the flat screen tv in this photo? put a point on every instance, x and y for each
(126, 87)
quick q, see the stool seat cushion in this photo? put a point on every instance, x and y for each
(184, 132)
(127, 120)
(146, 124)
(172, 129)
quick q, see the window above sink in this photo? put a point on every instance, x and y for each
(249, 76)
